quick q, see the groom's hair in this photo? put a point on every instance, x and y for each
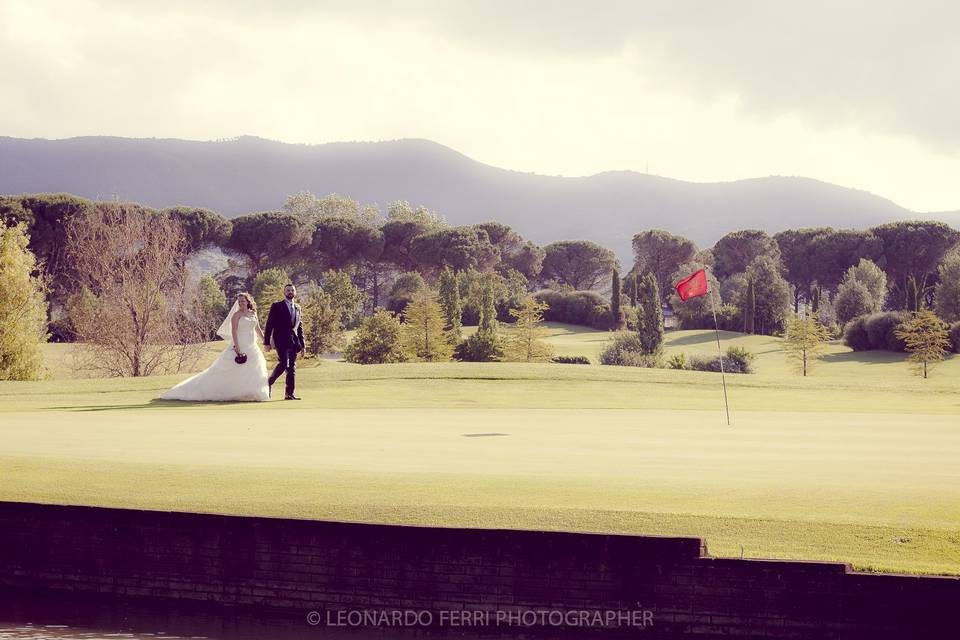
(289, 284)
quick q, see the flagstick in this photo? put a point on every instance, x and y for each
(723, 377)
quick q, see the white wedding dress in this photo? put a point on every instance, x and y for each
(225, 380)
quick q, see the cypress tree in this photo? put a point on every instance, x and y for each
(633, 288)
(488, 313)
(749, 309)
(615, 301)
(650, 315)
(451, 303)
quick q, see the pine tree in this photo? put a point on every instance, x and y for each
(423, 333)
(485, 345)
(804, 342)
(451, 303)
(650, 316)
(525, 343)
(750, 309)
(23, 308)
(616, 319)
(488, 313)
(377, 341)
(927, 339)
(322, 330)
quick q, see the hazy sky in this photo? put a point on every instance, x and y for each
(860, 93)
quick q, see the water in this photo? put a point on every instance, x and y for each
(47, 616)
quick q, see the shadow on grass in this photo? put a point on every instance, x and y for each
(703, 338)
(155, 403)
(865, 357)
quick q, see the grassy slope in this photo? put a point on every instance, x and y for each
(856, 463)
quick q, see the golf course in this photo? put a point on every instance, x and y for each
(859, 462)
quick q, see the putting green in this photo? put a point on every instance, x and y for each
(858, 463)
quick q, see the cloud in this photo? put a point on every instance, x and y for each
(850, 92)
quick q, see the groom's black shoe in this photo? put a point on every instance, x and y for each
(290, 397)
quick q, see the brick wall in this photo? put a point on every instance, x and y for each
(301, 565)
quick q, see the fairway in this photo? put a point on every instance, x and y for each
(858, 463)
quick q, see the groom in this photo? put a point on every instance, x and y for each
(284, 326)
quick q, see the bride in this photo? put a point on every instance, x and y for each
(226, 379)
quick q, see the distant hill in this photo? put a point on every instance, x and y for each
(252, 174)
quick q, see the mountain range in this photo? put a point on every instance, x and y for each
(248, 174)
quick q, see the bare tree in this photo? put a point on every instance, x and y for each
(133, 313)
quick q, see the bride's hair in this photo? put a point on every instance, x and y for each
(249, 299)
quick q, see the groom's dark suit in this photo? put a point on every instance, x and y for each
(287, 333)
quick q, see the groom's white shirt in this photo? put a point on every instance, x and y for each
(292, 308)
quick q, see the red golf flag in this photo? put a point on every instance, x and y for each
(693, 285)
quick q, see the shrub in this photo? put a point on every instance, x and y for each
(677, 361)
(855, 334)
(712, 364)
(881, 330)
(626, 350)
(377, 340)
(741, 359)
(480, 347)
(573, 359)
(585, 308)
(955, 336)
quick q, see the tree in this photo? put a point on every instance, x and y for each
(404, 288)
(270, 238)
(799, 270)
(378, 340)
(650, 316)
(133, 314)
(322, 330)
(450, 301)
(947, 292)
(268, 288)
(401, 211)
(750, 308)
(579, 263)
(48, 215)
(485, 345)
(927, 339)
(211, 305)
(202, 227)
(341, 242)
(773, 296)
(660, 253)
(424, 339)
(459, 248)
(834, 251)
(853, 300)
(804, 342)
(345, 298)
(632, 282)
(398, 236)
(616, 313)
(313, 209)
(911, 253)
(23, 308)
(735, 251)
(873, 278)
(525, 343)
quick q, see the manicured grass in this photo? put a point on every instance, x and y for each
(859, 462)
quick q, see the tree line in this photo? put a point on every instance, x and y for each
(363, 260)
